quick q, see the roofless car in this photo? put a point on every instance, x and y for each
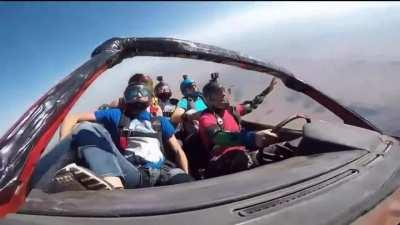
(346, 170)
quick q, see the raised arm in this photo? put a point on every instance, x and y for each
(71, 120)
(249, 105)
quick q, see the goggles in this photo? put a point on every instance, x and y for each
(134, 92)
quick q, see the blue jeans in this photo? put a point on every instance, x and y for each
(97, 149)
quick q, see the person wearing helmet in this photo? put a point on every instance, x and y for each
(125, 145)
(163, 93)
(230, 148)
(188, 109)
(138, 78)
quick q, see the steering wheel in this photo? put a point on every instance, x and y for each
(280, 152)
(277, 128)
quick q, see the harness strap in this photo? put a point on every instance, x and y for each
(125, 132)
(124, 122)
(220, 125)
(156, 124)
(191, 103)
(234, 112)
(131, 133)
(236, 115)
(123, 125)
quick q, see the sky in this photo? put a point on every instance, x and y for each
(353, 45)
(42, 42)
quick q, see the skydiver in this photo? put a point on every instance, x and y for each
(163, 93)
(138, 78)
(189, 108)
(125, 147)
(230, 148)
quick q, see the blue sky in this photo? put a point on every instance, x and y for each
(42, 42)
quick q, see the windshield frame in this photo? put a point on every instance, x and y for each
(24, 142)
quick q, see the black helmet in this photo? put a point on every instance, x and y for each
(212, 86)
(162, 90)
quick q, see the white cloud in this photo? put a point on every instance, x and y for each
(266, 15)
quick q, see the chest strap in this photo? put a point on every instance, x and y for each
(125, 132)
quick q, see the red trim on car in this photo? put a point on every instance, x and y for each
(20, 192)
